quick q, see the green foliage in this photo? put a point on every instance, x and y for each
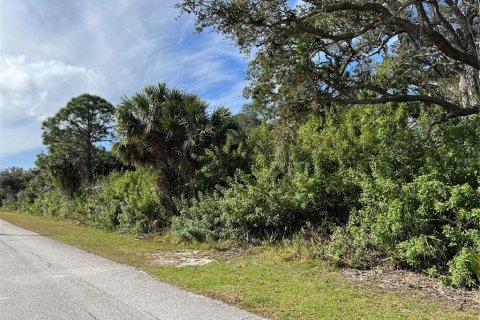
(377, 184)
(288, 188)
(12, 183)
(53, 203)
(167, 129)
(302, 174)
(73, 137)
(249, 118)
(64, 170)
(420, 201)
(461, 270)
(35, 189)
(310, 53)
(200, 220)
(126, 202)
(368, 177)
(474, 261)
(420, 252)
(217, 163)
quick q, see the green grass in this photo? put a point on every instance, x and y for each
(266, 281)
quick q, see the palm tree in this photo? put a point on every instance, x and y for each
(164, 129)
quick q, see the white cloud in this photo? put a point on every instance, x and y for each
(230, 98)
(32, 91)
(52, 50)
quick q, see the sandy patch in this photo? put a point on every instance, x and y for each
(416, 283)
(186, 258)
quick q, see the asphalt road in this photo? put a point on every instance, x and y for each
(41, 278)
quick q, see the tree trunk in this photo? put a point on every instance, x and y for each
(89, 165)
(469, 87)
(167, 185)
(89, 151)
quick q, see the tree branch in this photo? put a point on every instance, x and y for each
(453, 109)
(442, 44)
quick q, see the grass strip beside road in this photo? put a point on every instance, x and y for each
(262, 281)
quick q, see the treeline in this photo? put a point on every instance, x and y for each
(375, 185)
(363, 135)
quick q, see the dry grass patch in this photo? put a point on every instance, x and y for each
(415, 283)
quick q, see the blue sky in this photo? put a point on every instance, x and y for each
(53, 50)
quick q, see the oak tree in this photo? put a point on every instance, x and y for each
(319, 52)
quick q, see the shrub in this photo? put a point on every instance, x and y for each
(420, 199)
(13, 182)
(125, 201)
(53, 203)
(369, 177)
(290, 185)
(460, 269)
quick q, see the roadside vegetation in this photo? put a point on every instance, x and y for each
(283, 281)
(362, 138)
(361, 183)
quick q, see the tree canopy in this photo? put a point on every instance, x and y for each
(74, 138)
(12, 181)
(165, 129)
(354, 52)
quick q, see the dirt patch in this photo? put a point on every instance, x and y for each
(416, 283)
(188, 258)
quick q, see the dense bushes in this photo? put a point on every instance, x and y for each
(304, 174)
(284, 192)
(424, 224)
(250, 208)
(388, 192)
(423, 214)
(13, 182)
(126, 201)
(377, 186)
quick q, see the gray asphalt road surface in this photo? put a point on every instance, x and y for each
(41, 278)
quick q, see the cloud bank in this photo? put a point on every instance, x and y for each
(52, 50)
(31, 91)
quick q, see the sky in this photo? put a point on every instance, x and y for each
(53, 50)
